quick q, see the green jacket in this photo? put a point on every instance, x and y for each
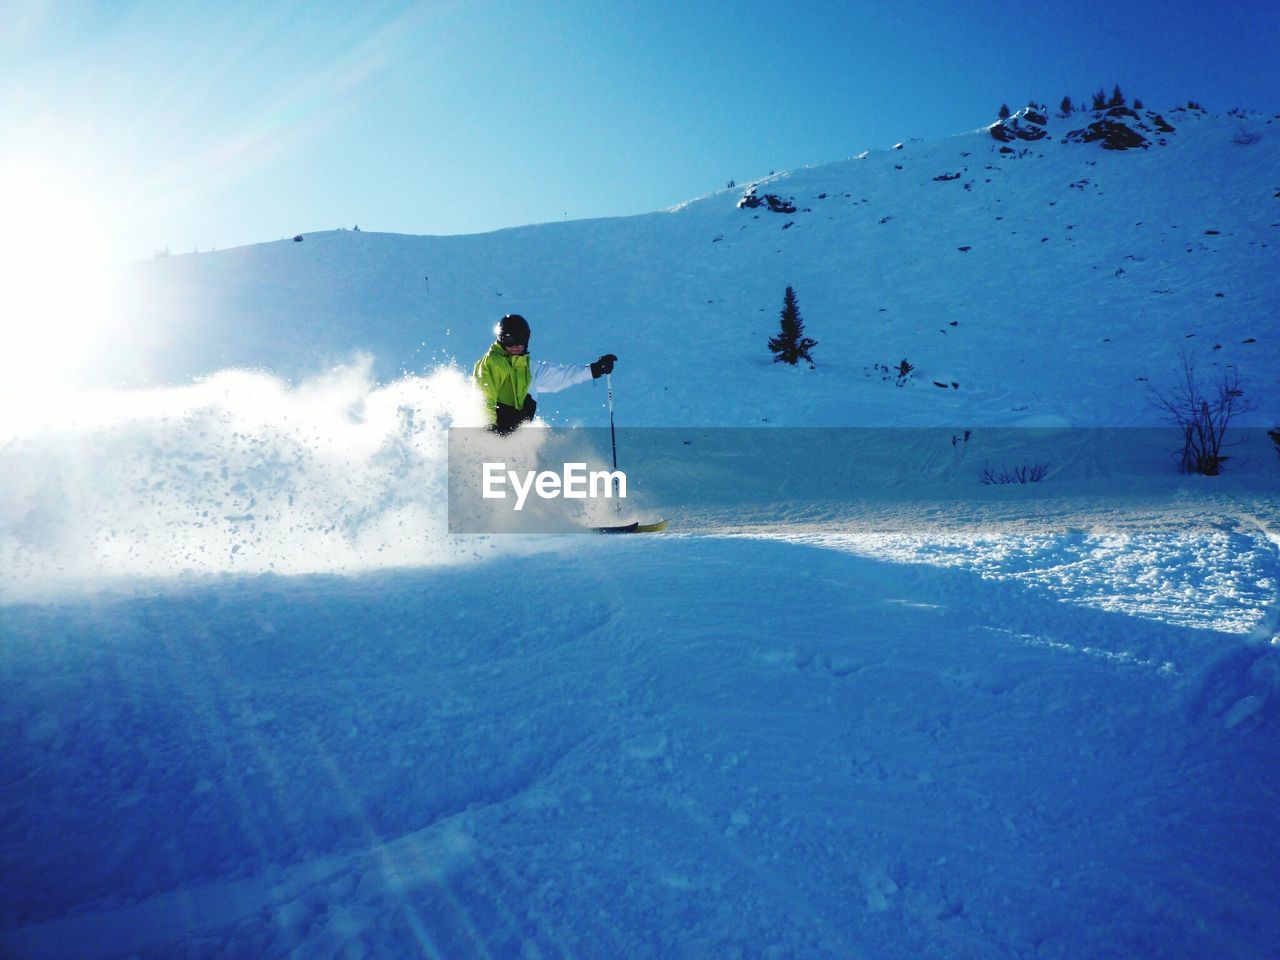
(503, 378)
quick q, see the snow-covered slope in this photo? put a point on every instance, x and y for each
(644, 752)
(257, 701)
(1018, 271)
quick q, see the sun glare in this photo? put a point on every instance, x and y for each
(54, 291)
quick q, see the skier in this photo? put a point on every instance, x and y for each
(511, 383)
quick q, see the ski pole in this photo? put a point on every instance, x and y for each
(613, 439)
(613, 435)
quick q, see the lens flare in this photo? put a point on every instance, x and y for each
(56, 294)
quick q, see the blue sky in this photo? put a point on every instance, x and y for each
(196, 125)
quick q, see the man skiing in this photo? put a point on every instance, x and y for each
(511, 383)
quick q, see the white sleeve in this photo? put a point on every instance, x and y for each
(550, 377)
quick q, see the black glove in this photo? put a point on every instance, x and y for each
(509, 417)
(604, 365)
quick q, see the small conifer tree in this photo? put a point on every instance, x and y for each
(791, 345)
(1117, 98)
(1100, 100)
(1004, 111)
(1066, 107)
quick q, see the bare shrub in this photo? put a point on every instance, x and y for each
(1202, 415)
(1027, 473)
(904, 370)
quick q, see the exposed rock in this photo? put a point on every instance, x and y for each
(1026, 124)
(1007, 133)
(774, 202)
(1114, 134)
(1120, 128)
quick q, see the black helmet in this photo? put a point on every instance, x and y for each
(512, 329)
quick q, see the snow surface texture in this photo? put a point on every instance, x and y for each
(256, 701)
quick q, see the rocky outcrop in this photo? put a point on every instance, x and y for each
(1120, 128)
(775, 203)
(1116, 128)
(1113, 134)
(1027, 124)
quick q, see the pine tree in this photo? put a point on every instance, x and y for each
(1066, 107)
(1117, 98)
(1100, 100)
(1004, 111)
(791, 345)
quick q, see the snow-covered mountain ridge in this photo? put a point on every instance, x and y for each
(1008, 272)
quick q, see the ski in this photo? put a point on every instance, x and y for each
(636, 527)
